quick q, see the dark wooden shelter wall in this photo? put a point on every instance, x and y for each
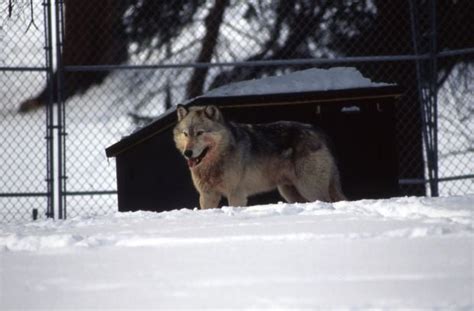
(153, 176)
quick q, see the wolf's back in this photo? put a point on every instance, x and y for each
(278, 137)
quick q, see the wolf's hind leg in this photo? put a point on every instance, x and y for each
(290, 194)
(313, 183)
(313, 175)
(335, 190)
(313, 192)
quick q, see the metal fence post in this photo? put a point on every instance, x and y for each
(434, 97)
(49, 109)
(61, 162)
(427, 91)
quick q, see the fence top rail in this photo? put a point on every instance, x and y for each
(283, 62)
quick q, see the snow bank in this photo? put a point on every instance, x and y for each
(441, 216)
(402, 253)
(314, 79)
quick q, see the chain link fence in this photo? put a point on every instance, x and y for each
(24, 70)
(123, 63)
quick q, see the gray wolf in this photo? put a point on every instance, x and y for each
(239, 160)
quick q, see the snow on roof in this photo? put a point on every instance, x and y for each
(314, 79)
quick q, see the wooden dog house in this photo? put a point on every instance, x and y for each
(359, 118)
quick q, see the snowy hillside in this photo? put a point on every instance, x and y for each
(405, 252)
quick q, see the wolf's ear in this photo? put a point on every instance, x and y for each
(182, 112)
(213, 113)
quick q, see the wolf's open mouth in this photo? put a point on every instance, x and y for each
(192, 162)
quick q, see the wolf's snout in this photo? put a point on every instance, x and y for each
(188, 153)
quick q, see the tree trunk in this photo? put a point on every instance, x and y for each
(94, 35)
(213, 22)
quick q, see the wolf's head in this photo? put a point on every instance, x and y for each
(199, 133)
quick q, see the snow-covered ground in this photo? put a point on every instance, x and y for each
(402, 253)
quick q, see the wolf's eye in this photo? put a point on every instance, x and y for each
(199, 133)
(185, 134)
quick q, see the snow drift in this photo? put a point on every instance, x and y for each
(403, 253)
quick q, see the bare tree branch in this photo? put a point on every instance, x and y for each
(32, 18)
(213, 23)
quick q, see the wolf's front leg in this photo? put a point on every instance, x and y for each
(209, 200)
(237, 199)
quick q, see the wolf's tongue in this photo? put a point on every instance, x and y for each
(195, 161)
(192, 162)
